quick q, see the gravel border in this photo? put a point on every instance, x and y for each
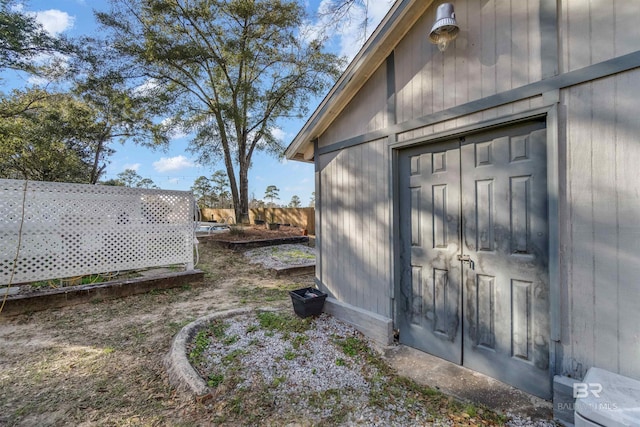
(320, 367)
(317, 371)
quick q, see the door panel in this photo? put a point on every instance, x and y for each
(429, 302)
(482, 200)
(504, 210)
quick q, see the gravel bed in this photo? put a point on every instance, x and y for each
(279, 256)
(316, 367)
(296, 369)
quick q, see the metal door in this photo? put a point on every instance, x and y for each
(474, 254)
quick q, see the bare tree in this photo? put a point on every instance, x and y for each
(335, 13)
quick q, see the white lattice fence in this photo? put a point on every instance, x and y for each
(78, 229)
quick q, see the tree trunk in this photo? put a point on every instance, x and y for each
(228, 162)
(244, 192)
(95, 168)
(234, 192)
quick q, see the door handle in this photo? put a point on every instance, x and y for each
(466, 259)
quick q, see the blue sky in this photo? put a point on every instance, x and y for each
(175, 168)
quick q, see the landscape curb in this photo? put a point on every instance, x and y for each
(181, 374)
(81, 294)
(242, 245)
(296, 270)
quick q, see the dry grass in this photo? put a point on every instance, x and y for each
(102, 363)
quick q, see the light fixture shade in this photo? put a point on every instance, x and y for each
(445, 29)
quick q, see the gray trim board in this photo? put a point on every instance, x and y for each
(563, 400)
(392, 118)
(391, 139)
(553, 215)
(553, 191)
(318, 211)
(549, 38)
(356, 140)
(475, 127)
(374, 326)
(392, 219)
(395, 225)
(576, 77)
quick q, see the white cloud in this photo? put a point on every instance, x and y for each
(38, 81)
(54, 21)
(278, 133)
(172, 164)
(377, 11)
(347, 33)
(18, 7)
(134, 166)
(176, 132)
(146, 87)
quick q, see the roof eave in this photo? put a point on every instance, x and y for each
(400, 18)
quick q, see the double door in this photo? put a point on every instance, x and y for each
(474, 288)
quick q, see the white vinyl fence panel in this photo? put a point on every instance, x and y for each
(55, 230)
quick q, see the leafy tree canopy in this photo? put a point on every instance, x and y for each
(234, 68)
(101, 78)
(131, 178)
(271, 193)
(51, 139)
(295, 202)
(214, 192)
(203, 192)
(22, 38)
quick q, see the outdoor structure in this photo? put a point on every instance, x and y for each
(298, 217)
(52, 230)
(483, 201)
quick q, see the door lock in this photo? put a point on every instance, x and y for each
(466, 259)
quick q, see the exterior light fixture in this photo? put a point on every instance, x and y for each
(445, 29)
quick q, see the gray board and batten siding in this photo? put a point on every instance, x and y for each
(573, 63)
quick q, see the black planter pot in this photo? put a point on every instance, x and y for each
(307, 301)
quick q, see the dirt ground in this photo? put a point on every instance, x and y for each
(102, 363)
